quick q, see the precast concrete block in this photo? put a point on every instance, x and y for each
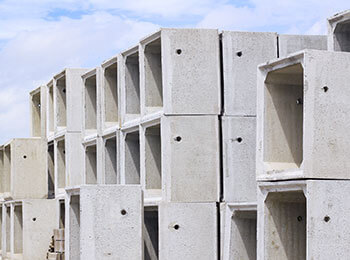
(129, 66)
(238, 231)
(91, 94)
(110, 95)
(302, 129)
(188, 231)
(239, 149)
(180, 72)
(67, 100)
(105, 222)
(190, 160)
(241, 54)
(339, 32)
(24, 171)
(109, 149)
(287, 43)
(38, 108)
(28, 224)
(68, 162)
(303, 219)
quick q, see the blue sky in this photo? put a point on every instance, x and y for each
(40, 37)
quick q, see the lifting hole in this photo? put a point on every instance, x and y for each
(34, 219)
(176, 227)
(123, 212)
(325, 88)
(178, 138)
(299, 218)
(178, 51)
(24, 156)
(239, 54)
(326, 218)
(239, 139)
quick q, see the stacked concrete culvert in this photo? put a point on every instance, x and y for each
(186, 147)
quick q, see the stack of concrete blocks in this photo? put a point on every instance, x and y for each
(64, 134)
(26, 213)
(151, 139)
(242, 52)
(302, 144)
(156, 153)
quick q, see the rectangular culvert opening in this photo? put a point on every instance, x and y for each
(51, 170)
(8, 229)
(285, 225)
(243, 235)
(132, 158)
(61, 102)
(90, 104)
(61, 164)
(18, 229)
(91, 164)
(283, 118)
(62, 212)
(342, 37)
(153, 76)
(153, 159)
(132, 84)
(51, 110)
(111, 176)
(74, 227)
(151, 233)
(36, 114)
(111, 95)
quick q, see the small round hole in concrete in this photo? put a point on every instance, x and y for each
(64, 90)
(123, 212)
(178, 51)
(326, 218)
(178, 138)
(325, 88)
(64, 151)
(239, 139)
(24, 156)
(299, 218)
(239, 53)
(34, 219)
(299, 101)
(176, 227)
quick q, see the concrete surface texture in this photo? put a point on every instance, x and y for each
(192, 144)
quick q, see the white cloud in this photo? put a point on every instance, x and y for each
(287, 16)
(34, 56)
(35, 45)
